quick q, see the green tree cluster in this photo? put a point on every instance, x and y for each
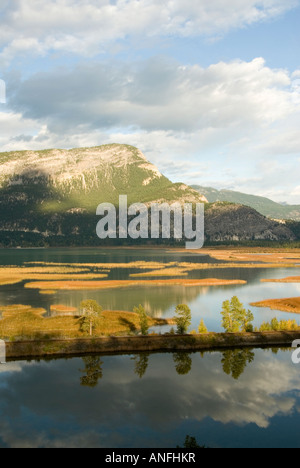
(235, 317)
(183, 363)
(282, 325)
(235, 361)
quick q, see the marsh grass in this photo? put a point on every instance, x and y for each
(220, 266)
(290, 279)
(13, 275)
(290, 304)
(21, 322)
(161, 272)
(183, 269)
(110, 266)
(14, 310)
(97, 285)
(48, 271)
(48, 277)
(6, 280)
(257, 254)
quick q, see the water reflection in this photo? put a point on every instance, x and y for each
(183, 363)
(93, 371)
(158, 301)
(150, 404)
(234, 361)
(141, 362)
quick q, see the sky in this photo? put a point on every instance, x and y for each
(209, 90)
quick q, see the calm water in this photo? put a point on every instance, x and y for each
(229, 399)
(249, 399)
(205, 302)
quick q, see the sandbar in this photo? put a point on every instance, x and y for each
(111, 284)
(290, 304)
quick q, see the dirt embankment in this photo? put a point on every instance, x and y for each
(136, 344)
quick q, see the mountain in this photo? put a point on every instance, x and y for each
(227, 222)
(52, 195)
(80, 179)
(263, 205)
(49, 198)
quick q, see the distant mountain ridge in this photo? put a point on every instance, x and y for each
(263, 205)
(49, 198)
(229, 222)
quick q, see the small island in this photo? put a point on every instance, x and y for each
(290, 304)
(289, 279)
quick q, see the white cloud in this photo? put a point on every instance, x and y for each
(238, 115)
(296, 191)
(159, 95)
(85, 27)
(264, 391)
(12, 124)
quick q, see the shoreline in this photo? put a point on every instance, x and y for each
(135, 344)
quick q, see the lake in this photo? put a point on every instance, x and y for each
(159, 301)
(247, 398)
(250, 399)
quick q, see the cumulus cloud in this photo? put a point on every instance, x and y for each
(157, 95)
(85, 27)
(109, 415)
(234, 115)
(13, 124)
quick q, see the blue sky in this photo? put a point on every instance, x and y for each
(209, 90)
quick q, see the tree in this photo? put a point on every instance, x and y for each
(235, 317)
(141, 364)
(275, 324)
(93, 371)
(144, 323)
(183, 318)
(183, 363)
(202, 328)
(191, 443)
(247, 320)
(91, 315)
(235, 361)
